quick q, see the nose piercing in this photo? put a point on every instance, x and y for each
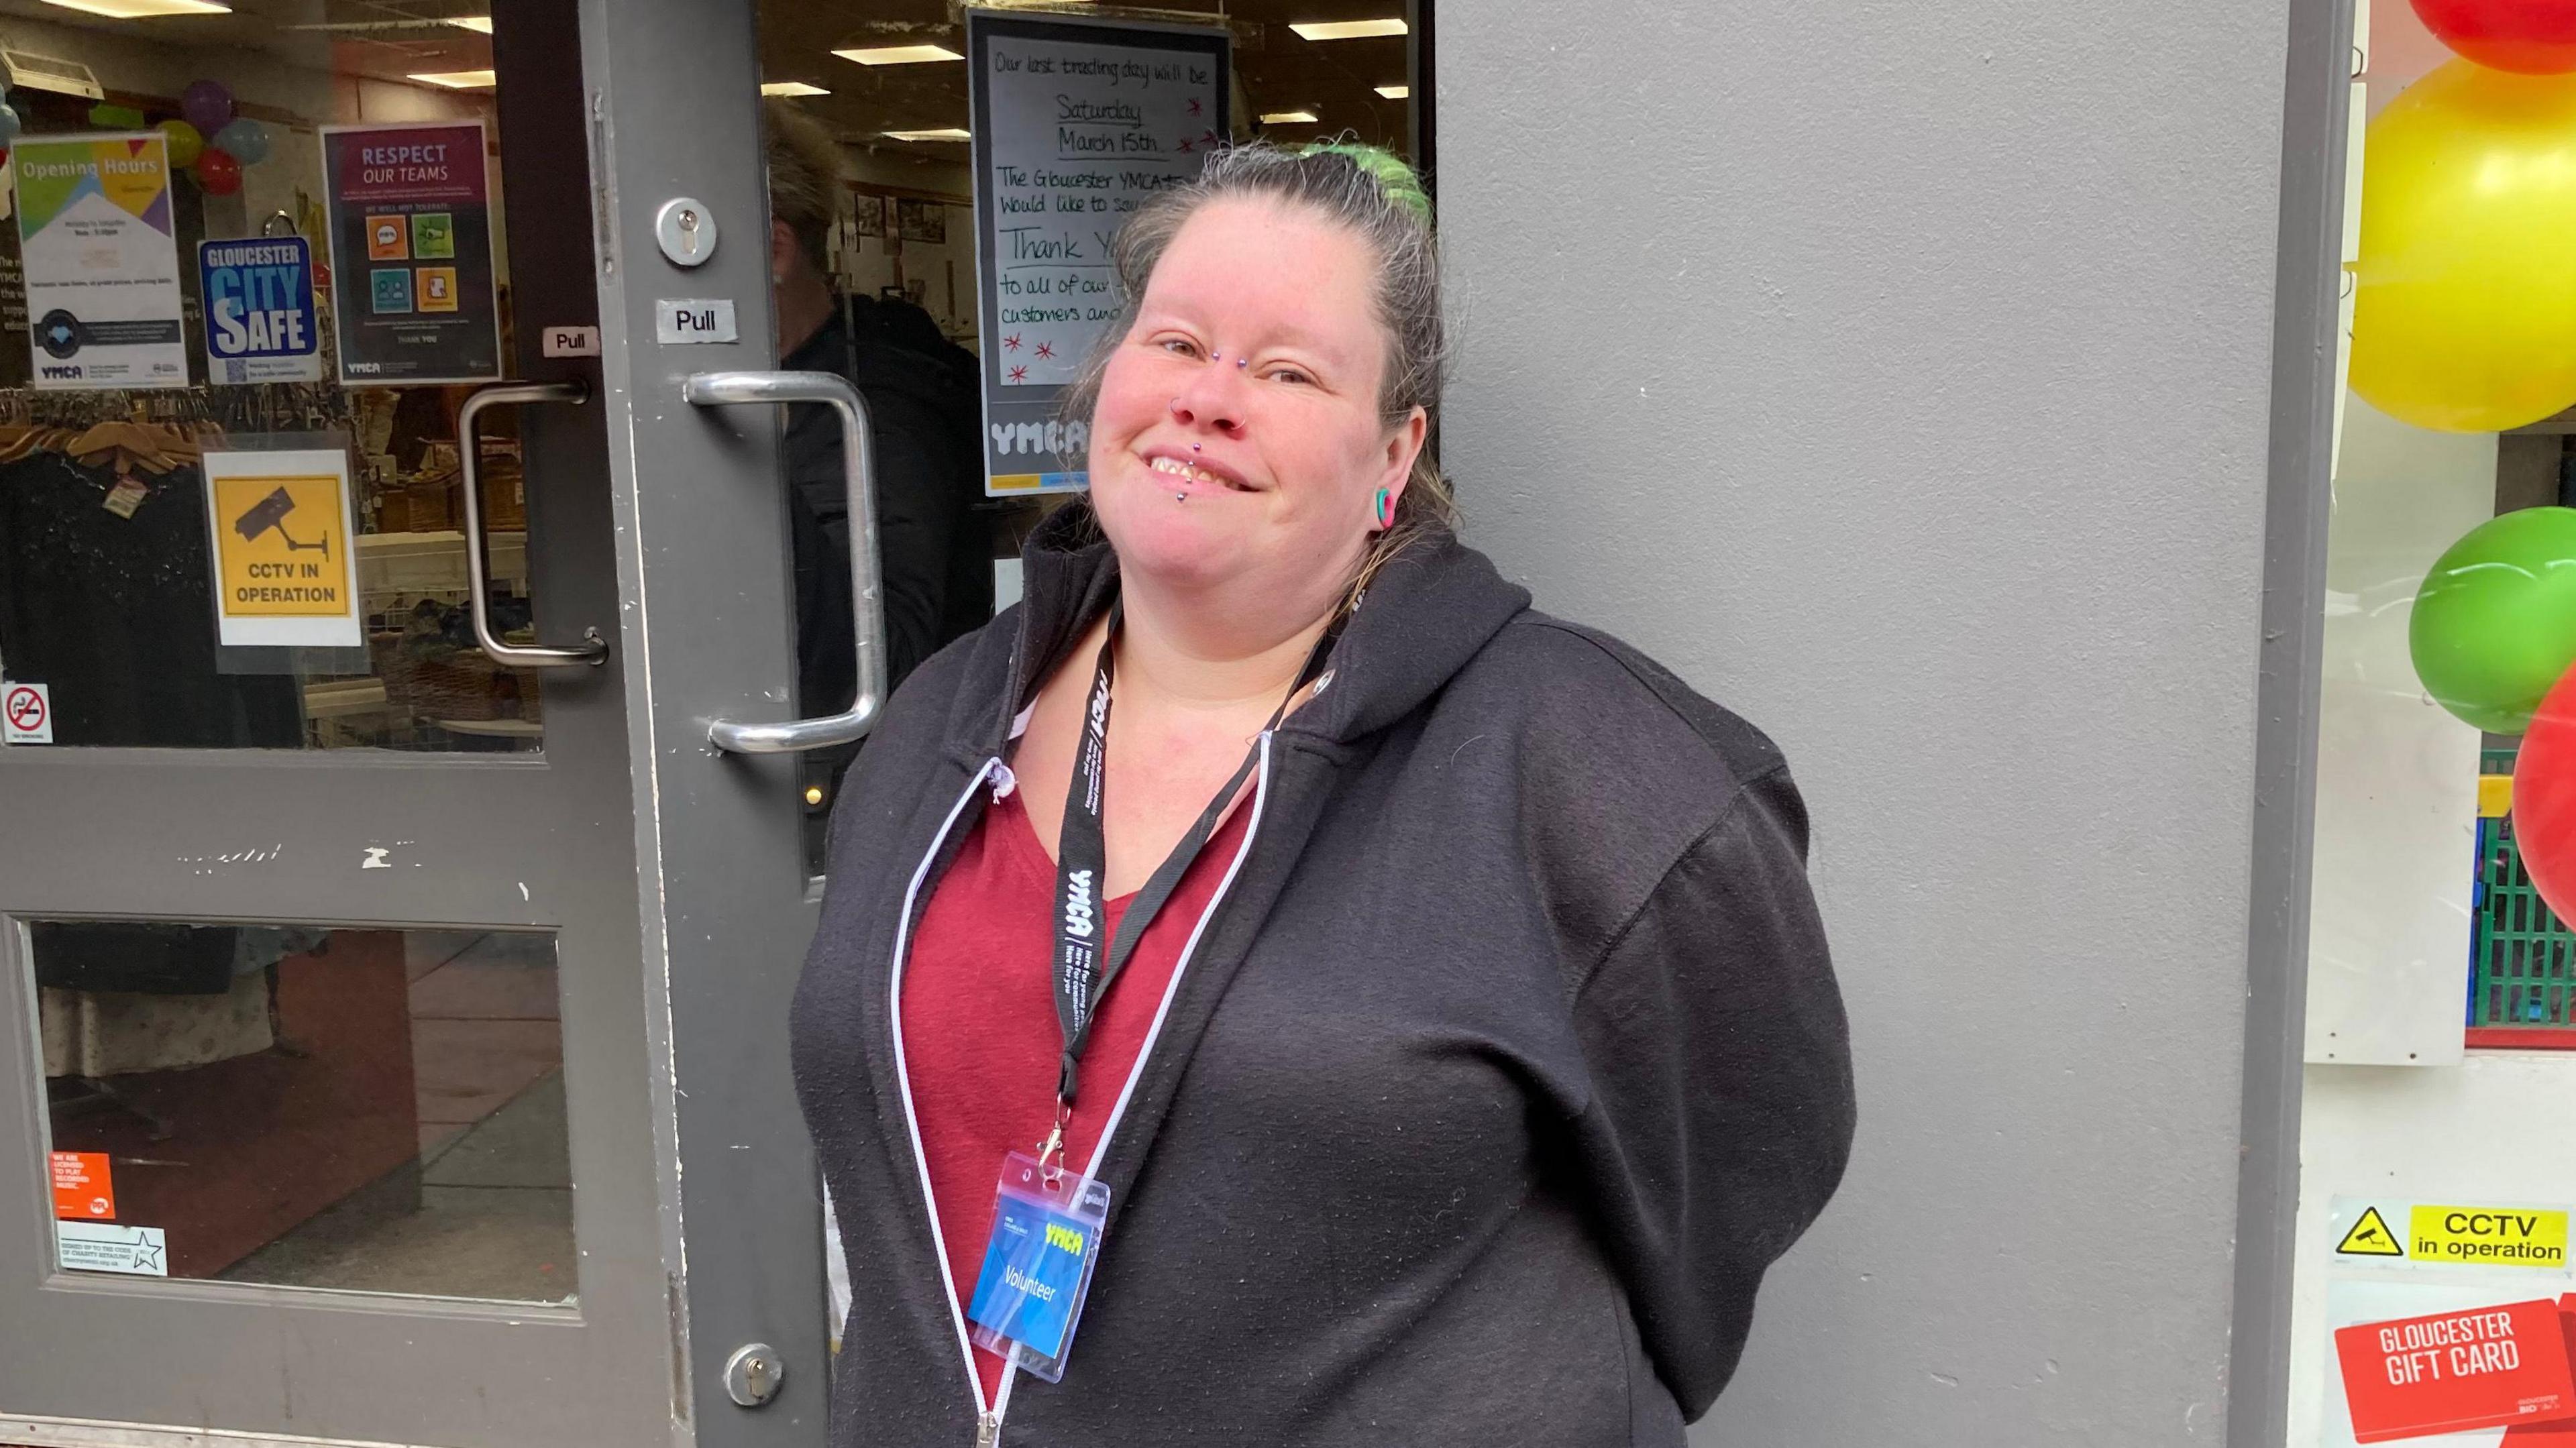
(1194, 447)
(1176, 407)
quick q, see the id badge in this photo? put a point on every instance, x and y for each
(1037, 1265)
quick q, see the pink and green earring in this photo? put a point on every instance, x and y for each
(1382, 509)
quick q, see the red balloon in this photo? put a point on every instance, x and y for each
(2544, 798)
(217, 172)
(2534, 37)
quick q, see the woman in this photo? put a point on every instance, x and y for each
(1481, 1049)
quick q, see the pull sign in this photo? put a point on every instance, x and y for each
(695, 319)
(570, 342)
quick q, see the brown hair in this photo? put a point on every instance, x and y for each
(804, 177)
(1377, 198)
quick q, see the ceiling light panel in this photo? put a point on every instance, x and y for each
(1395, 92)
(943, 133)
(791, 88)
(459, 79)
(142, 9)
(899, 54)
(1288, 118)
(1347, 29)
(479, 24)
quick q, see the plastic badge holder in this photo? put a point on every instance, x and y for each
(1037, 1265)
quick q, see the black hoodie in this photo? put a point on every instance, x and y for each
(1506, 1060)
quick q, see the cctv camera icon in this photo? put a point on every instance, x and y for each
(270, 512)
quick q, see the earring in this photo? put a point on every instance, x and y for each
(1382, 509)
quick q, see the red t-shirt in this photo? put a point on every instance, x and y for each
(981, 1043)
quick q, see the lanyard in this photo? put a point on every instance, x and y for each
(1083, 974)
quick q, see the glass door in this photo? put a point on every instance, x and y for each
(392, 969)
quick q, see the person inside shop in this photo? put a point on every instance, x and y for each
(923, 418)
(1273, 985)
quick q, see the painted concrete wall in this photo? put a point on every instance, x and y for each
(1900, 375)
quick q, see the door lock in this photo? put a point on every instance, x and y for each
(753, 1374)
(686, 230)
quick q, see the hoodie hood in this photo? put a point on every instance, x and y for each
(1428, 612)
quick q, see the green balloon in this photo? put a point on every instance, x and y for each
(2495, 622)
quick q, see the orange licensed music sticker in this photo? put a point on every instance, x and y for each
(82, 1188)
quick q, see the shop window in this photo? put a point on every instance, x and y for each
(361, 1110)
(349, 320)
(2451, 574)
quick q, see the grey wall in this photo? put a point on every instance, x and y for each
(1900, 374)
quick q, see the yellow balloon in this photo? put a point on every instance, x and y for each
(2465, 314)
(184, 142)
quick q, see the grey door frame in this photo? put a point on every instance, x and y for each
(671, 876)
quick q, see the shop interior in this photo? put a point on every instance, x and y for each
(383, 1110)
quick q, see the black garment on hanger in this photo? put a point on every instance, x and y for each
(117, 614)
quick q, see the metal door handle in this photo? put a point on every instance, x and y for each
(858, 471)
(593, 649)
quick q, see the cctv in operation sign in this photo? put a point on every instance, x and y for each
(285, 566)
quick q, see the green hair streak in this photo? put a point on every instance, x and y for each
(1397, 179)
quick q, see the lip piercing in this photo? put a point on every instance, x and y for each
(1180, 497)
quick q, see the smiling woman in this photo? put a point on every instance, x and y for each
(1407, 1000)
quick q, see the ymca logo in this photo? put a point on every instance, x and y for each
(1077, 906)
(1065, 1237)
(66, 374)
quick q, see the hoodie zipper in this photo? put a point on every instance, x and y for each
(988, 1416)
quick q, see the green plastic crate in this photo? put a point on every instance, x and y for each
(2522, 962)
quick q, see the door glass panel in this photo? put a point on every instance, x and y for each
(365, 1110)
(880, 281)
(111, 560)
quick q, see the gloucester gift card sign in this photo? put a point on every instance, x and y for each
(2449, 1322)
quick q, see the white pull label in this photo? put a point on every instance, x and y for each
(693, 320)
(571, 342)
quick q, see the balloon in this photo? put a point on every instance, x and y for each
(2544, 799)
(2465, 313)
(2535, 37)
(2494, 625)
(207, 104)
(246, 139)
(184, 141)
(115, 118)
(218, 173)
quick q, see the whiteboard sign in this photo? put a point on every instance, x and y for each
(1076, 123)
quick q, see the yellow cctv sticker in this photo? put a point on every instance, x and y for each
(2370, 1237)
(284, 571)
(2489, 1236)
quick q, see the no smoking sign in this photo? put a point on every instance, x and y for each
(26, 714)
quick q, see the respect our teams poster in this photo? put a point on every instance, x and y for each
(411, 253)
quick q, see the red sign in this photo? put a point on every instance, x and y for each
(2450, 1372)
(26, 709)
(82, 1187)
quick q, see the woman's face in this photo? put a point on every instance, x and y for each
(1237, 439)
